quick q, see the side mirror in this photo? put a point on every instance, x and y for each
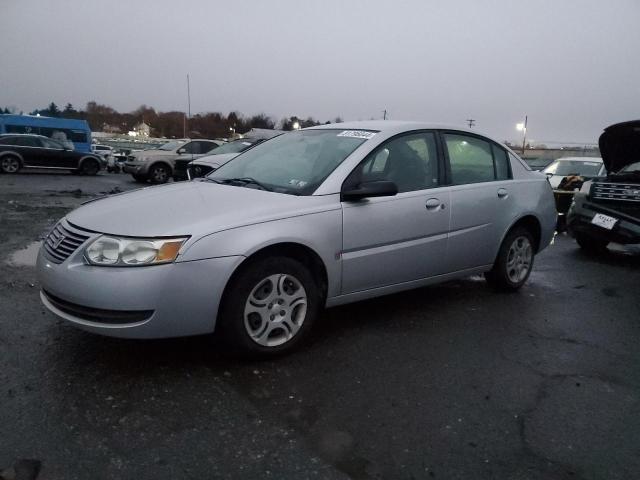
(181, 151)
(379, 188)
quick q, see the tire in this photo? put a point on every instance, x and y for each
(590, 244)
(10, 164)
(139, 178)
(159, 174)
(514, 262)
(90, 167)
(269, 307)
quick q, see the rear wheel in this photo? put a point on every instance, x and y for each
(159, 174)
(269, 307)
(90, 167)
(590, 244)
(9, 164)
(514, 262)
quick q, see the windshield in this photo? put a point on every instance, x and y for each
(632, 167)
(295, 163)
(584, 168)
(236, 146)
(170, 146)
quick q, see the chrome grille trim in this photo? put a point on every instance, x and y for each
(62, 242)
(625, 192)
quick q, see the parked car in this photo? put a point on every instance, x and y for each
(105, 152)
(313, 218)
(157, 165)
(566, 175)
(207, 164)
(537, 163)
(229, 150)
(23, 151)
(608, 210)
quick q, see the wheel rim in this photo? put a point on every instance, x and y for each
(519, 259)
(10, 165)
(275, 310)
(159, 174)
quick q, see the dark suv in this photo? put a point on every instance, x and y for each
(18, 151)
(608, 210)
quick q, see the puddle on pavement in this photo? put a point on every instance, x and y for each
(25, 257)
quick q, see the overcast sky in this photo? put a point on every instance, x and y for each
(572, 66)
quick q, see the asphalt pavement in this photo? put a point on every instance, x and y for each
(452, 381)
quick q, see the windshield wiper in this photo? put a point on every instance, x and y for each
(244, 181)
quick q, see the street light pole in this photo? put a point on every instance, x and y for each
(524, 134)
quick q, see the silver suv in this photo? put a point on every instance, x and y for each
(157, 165)
(311, 219)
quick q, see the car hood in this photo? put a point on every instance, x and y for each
(620, 145)
(215, 161)
(191, 208)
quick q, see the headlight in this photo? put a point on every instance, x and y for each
(127, 252)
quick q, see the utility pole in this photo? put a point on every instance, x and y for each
(384, 114)
(524, 134)
(184, 127)
(471, 122)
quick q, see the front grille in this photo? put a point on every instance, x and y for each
(197, 171)
(626, 192)
(62, 242)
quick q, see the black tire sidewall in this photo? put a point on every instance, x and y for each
(498, 276)
(152, 172)
(10, 157)
(231, 316)
(86, 169)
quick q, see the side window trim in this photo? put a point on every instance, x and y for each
(439, 154)
(492, 144)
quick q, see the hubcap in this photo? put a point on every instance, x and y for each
(275, 310)
(519, 259)
(159, 174)
(10, 165)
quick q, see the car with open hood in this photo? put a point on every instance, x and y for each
(608, 209)
(310, 219)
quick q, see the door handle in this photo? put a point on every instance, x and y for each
(503, 193)
(434, 204)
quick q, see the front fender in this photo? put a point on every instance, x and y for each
(320, 232)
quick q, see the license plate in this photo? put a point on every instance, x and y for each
(604, 221)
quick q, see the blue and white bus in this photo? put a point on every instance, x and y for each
(76, 134)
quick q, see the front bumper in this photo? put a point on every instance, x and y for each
(625, 231)
(159, 301)
(138, 168)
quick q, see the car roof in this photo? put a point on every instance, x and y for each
(22, 135)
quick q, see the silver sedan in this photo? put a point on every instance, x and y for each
(310, 219)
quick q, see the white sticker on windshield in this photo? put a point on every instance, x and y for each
(246, 143)
(592, 164)
(357, 134)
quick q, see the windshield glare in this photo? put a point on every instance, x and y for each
(170, 146)
(236, 146)
(294, 163)
(632, 167)
(583, 168)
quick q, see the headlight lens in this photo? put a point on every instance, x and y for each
(114, 251)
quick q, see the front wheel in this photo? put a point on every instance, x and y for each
(269, 307)
(514, 262)
(90, 167)
(9, 164)
(159, 174)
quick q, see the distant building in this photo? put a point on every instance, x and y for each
(141, 130)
